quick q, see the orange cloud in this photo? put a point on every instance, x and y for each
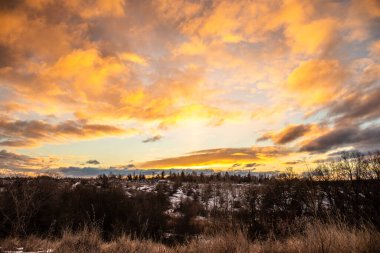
(375, 48)
(31, 133)
(219, 157)
(316, 82)
(13, 26)
(313, 37)
(131, 57)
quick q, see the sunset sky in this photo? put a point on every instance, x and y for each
(232, 85)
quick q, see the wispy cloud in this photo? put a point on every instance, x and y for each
(152, 139)
(367, 138)
(21, 133)
(10, 161)
(289, 134)
(95, 162)
(219, 157)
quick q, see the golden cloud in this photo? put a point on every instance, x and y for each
(316, 82)
(219, 157)
(131, 57)
(313, 37)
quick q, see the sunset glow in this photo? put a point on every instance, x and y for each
(226, 85)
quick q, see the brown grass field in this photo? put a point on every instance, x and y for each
(317, 237)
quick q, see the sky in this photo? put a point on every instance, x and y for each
(226, 85)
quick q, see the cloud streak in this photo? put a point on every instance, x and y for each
(365, 138)
(95, 162)
(28, 133)
(10, 161)
(220, 157)
(288, 134)
(152, 139)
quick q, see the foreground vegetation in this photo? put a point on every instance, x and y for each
(316, 237)
(334, 208)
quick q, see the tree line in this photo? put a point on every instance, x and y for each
(347, 189)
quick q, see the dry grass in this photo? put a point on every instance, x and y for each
(325, 238)
(223, 243)
(32, 243)
(126, 245)
(87, 240)
(317, 238)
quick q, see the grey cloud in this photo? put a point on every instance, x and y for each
(359, 106)
(363, 138)
(293, 162)
(94, 172)
(93, 162)
(286, 135)
(292, 133)
(242, 166)
(87, 171)
(9, 5)
(9, 160)
(251, 165)
(153, 139)
(264, 137)
(29, 133)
